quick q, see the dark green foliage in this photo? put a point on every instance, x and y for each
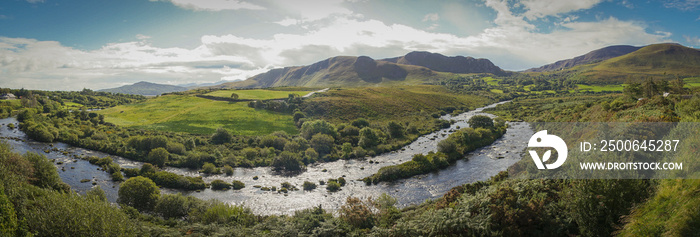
(237, 185)
(219, 185)
(332, 186)
(596, 205)
(311, 128)
(308, 186)
(368, 137)
(360, 123)
(221, 136)
(68, 214)
(174, 206)
(140, 193)
(288, 161)
(97, 193)
(45, 174)
(396, 130)
(228, 170)
(322, 143)
(480, 121)
(209, 168)
(8, 218)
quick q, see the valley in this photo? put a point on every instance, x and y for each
(381, 146)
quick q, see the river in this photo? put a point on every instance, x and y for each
(478, 165)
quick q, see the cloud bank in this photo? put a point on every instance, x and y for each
(513, 43)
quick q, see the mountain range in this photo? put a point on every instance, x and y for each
(145, 88)
(613, 64)
(412, 68)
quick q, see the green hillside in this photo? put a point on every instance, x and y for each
(183, 113)
(657, 60)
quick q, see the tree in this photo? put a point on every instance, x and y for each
(480, 121)
(288, 161)
(311, 128)
(173, 206)
(158, 156)
(368, 137)
(221, 136)
(45, 173)
(234, 96)
(396, 130)
(322, 143)
(139, 192)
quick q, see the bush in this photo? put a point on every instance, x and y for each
(219, 185)
(368, 137)
(228, 170)
(333, 186)
(309, 186)
(139, 192)
(222, 213)
(221, 136)
(209, 168)
(158, 156)
(173, 206)
(322, 143)
(69, 214)
(45, 174)
(311, 128)
(237, 185)
(480, 121)
(288, 161)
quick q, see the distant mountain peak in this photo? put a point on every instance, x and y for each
(145, 88)
(591, 57)
(442, 63)
(413, 68)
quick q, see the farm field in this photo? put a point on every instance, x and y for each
(258, 94)
(190, 114)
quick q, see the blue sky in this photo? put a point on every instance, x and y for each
(75, 44)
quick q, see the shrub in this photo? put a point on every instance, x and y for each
(219, 185)
(368, 137)
(480, 121)
(237, 185)
(221, 136)
(228, 170)
(173, 206)
(288, 161)
(322, 143)
(309, 186)
(139, 192)
(333, 186)
(311, 128)
(158, 156)
(209, 168)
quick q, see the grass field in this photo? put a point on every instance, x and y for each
(182, 113)
(258, 94)
(600, 88)
(692, 82)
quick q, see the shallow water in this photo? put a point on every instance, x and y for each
(478, 165)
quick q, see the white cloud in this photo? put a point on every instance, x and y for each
(542, 8)
(685, 5)
(511, 42)
(692, 40)
(213, 5)
(431, 17)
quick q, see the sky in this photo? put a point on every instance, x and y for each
(97, 44)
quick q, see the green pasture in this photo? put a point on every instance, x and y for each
(190, 114)
(257, 94)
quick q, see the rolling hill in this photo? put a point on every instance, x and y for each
(661, 61)
(145, 88)
(414, 68)
(591, 57)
